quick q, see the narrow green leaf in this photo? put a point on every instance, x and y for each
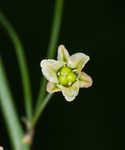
(9, 112)
(22, 64)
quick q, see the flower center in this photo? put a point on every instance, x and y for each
(66, 76)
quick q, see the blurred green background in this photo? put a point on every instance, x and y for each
(96, 119)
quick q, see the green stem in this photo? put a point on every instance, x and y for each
(41, 108)
(9, 112)
(22, 64)
(42, 95)
(51, 48)
(55, 28)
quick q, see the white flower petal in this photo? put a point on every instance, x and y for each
(52, 87)
(63, 54)
(50, 68)
(78, 60)
(70, 93)
(85, 80)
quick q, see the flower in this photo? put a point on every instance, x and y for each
(1, 148)
(65, 74)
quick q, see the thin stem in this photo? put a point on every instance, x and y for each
(9, 112)
(55, 28)
(52, 47)
(41, 108)
(42, 95)
(22, 64)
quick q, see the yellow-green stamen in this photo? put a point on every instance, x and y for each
(66, 76)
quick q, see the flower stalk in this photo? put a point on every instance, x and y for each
(41, 109)
(56, 24)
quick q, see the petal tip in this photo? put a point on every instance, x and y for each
(90, 82)
(71, 93)
(43, 62)
(61, 46)
(78, 60)
(48, 68)
(63, 54)
(87, 57)
(69, 99)
(87, 81)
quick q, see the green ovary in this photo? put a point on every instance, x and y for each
(66, 76)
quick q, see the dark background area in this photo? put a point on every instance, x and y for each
(96, 119)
